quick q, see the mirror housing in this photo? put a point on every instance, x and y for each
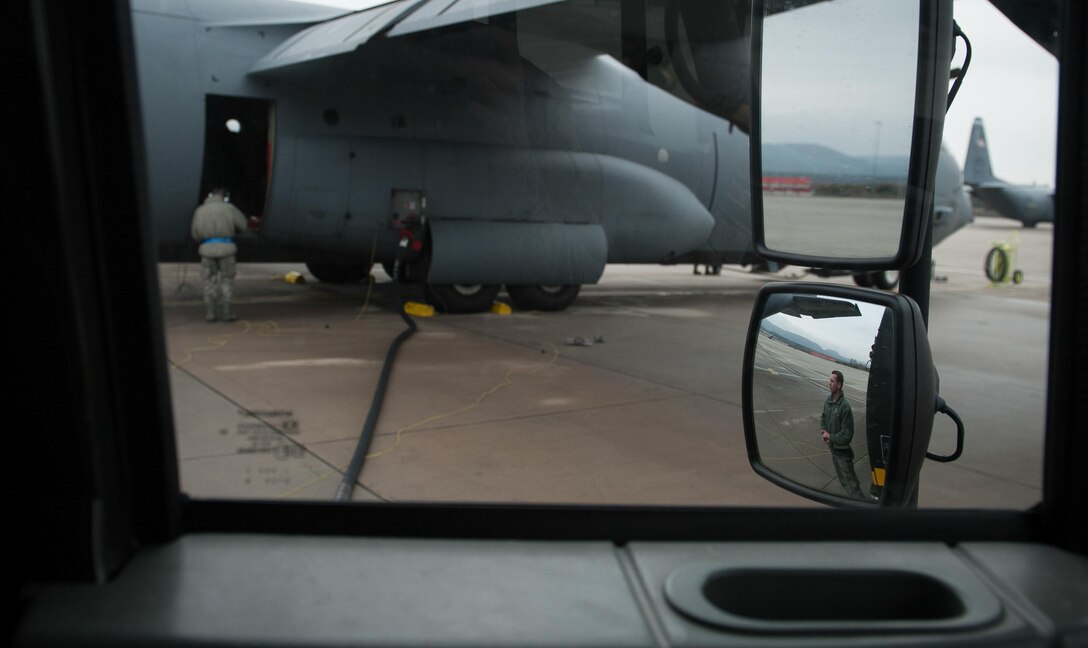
(844, 246)
(786, 369)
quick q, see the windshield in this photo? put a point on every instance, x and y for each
(560, 195)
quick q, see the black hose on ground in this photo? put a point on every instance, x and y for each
(351, 475)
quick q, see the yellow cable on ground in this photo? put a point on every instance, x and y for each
(369, 277)
(506, 382)
(267, 328)
(307, 484)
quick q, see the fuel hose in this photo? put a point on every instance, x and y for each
(351, 475)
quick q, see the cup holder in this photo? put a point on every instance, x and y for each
(840, 600)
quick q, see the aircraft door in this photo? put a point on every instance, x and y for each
(238, 134)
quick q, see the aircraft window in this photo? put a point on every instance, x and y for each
(562, 193)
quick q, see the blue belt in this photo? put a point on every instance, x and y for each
(221, 239)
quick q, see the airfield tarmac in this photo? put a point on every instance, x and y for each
(503, 408)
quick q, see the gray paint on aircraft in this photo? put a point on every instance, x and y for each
(1029, 205)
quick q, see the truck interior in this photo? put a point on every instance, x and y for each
(109, 551)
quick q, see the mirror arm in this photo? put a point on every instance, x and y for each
(914, 282)
(956, 31)
(943, 408)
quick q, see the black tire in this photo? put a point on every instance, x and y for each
(863, 279)
(885, 279)
(456, 298)
(543, 298)
(339, 273)
(997, 265)
(1017, 276)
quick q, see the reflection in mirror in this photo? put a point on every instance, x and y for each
(836, 119)
(822, 391)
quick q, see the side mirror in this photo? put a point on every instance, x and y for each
(848, 107)
(878, 421)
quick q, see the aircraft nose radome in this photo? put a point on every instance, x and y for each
(649, 216)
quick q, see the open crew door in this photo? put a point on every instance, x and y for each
(238, 139)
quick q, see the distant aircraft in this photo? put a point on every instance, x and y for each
(1027, 204)
(523, 143)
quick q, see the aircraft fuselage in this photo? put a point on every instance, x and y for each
(527, 135)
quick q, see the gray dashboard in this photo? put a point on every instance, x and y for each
(283, 590)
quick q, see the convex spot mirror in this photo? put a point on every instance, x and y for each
(849, 101)
(839, 393)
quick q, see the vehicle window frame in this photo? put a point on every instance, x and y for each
(113, 433)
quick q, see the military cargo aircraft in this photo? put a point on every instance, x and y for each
(1027, 204)
(527, 149)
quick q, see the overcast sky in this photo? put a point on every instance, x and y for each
(841, 74)
(850, 337)
(1013, 86)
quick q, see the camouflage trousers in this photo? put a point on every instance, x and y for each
(844, 471)
(218, 275)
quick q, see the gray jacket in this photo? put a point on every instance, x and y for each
(217, 218)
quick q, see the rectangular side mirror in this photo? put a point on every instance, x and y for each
(839, 393)
(847, 117)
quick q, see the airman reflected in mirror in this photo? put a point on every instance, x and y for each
(837, 430)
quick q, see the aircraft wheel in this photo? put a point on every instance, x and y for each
(863, 279)
(339, 273)
(461, 298)
(997, 265)
(543, 298)
(885, 279)
(1017, 276)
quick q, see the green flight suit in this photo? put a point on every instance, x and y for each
(838, 420)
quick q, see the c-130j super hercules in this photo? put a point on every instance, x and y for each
(522, 148)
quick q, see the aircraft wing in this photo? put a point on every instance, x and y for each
(337, 36)
(814, 307)
(344, 34)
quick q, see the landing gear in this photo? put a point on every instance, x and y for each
(339, 273)
(884, 279)
(543, 298)
(863, 279)
(461, 298)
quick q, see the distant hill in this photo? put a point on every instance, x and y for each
(825, 164)
(802, 342)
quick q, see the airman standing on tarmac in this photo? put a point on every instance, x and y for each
(215, 223)
(837, 430)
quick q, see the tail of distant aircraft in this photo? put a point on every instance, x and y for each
(976, 169)
(1028, 204)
